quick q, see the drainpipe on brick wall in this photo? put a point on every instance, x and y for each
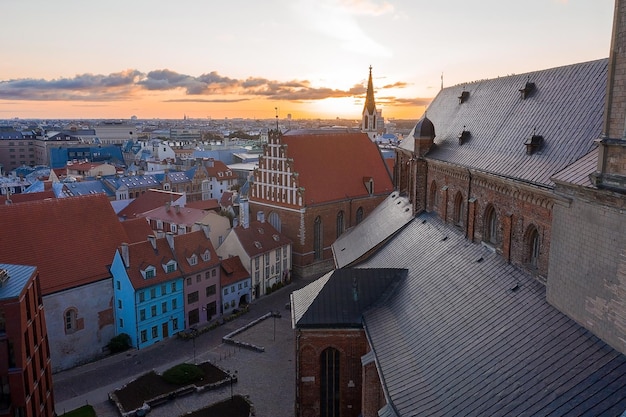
(467, 208)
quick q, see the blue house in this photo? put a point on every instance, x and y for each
(148, 292)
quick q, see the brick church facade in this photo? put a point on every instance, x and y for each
(514, 298)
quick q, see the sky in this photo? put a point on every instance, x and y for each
(157, 59)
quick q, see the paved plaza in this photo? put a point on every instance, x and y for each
(266, 378)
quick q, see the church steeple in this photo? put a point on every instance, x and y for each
(370, 104)
(372, 121)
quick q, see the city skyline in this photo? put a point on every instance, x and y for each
(305, 58)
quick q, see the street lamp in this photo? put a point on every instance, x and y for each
(231, 376)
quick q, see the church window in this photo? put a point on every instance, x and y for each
(359, 215)
(533, 246)
(458, 209)
(317, 238)
(491, 225)
(433, 196)
(340, 223)
(329, 383)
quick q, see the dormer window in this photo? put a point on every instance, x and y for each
(193, 259)
(148, 272)
(464, 136)
(257, 244)
(206, 256)
(276, 237)
(463, 97)
(533, 144)
(527, 90)
(369, 184)
(170, 266)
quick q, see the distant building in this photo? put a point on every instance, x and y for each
(17, 148)
(25, 370)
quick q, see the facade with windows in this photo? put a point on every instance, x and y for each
(25, 367)
(236, 285)
(264, 252)
(148, 292)
(313, 186)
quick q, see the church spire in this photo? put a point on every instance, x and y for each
(370, 104)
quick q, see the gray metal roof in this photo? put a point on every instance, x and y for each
(386, 219)
(18, 278)
(565, 108)
(468, 334)
(341, 296)
(578, 173)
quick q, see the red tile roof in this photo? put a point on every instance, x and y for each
(176, 214)
(210, 204)
(217, 168)
(137, 229)
(232, 271)
(332, 166)
(71, 240)
(260, 238)
(197, 243)
(27, 197)
(142, 255)
(149, 200)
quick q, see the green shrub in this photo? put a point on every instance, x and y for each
(119, 343)
(183, 374)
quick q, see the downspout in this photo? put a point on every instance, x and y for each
(467, 209)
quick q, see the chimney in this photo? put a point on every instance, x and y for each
(125, 257)
(152, 240)
(4, 276)
(260, 217)
(170, 239)
(244, 213)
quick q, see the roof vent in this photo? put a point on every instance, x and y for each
(533, 143)
(464, 136)
(463, 97)
(527, 90)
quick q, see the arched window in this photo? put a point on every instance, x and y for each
(70, 316)
(317, 238)
(359, 215)
(433, 196)
(533, 246)
(491, 225)
(458, 209)
(329, 383)
(274, 220)
(340, 223)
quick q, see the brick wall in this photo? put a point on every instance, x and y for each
(587, 276)
(351, 344)
(298, 225)
(372, 397)
(519, 209)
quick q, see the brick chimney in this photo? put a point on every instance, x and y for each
(125, 256)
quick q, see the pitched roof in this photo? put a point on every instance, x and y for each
(137, 229)
(233, 271)
(467, 333)
(339, 299)
(578, 172)
(565, 107)
(331, 166)
(194, 243)
(142, 255)
(175, 214)
(18, 277)
(147, 201)
(385, 220)
(58, 235)
(209, 204)
(259, 237)
(27, 197)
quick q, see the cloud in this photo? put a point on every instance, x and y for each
(367, 7)
(206, 88)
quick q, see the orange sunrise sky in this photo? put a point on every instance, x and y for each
(308, 58)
